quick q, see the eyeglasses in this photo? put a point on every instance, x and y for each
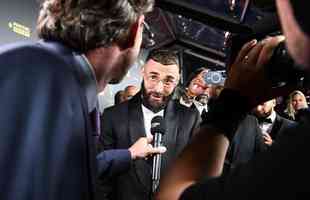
(167, 82)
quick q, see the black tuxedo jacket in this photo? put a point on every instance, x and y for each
(248, 140)
(280, 124)
(123, 125)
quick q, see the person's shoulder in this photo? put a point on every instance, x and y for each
(111, 110)
(8, 47)
(30, 57)
(18, 50)
(184, 109)
(34, 52)
(285, 120)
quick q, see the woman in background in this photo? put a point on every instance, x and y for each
(296, 103)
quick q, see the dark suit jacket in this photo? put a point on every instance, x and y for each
(280, 124)
(248, 139)
(123, 125)
(112, 162)
(46, 143)
(279, 173)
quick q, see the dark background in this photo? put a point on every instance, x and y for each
(22, 12)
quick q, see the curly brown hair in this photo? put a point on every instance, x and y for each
(88, 24)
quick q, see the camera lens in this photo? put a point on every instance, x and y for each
(214, 78)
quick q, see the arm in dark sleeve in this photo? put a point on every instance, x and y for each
(280, 170)
(208, 189)
(107, 137)
(113, 162)
(110, 161)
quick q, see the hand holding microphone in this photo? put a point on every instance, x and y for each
(143, 148)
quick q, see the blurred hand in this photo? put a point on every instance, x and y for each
(267, 139)
(143, 148)
(247, 74)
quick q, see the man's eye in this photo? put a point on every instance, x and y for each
(153, 77)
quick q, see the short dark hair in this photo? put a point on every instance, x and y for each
(164, 57)
(193, 75)
(118, 97)
(88, 24)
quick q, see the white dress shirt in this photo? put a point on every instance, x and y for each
(267, 127)
(197, 104)
(148, 115)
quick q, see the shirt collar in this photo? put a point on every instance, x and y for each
(89, 81)
(272, 116)
(200, 107)
(150, 112)
(187, 104)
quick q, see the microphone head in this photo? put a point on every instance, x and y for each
(158, 125)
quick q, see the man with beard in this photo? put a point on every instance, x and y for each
(123, 124)
(196, 93)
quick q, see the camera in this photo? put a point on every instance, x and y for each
(215, 77)
(281, 69)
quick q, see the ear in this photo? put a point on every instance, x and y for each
(142, 71)
(136, 31)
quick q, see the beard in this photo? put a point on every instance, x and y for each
(154, 105)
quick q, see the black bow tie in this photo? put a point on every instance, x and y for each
(264, 120)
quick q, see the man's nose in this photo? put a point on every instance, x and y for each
(159, 87)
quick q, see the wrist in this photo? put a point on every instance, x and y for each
(227, 111)
(132, 154)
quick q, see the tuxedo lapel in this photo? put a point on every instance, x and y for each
(137, 130)
(170, 138)
(276, 127)
(135, 119)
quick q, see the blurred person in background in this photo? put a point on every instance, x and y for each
(196, 91)
(119, 97)
(296, 103)
(130, 91)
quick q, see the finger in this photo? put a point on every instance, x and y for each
(149, 139)
(267, 139)
(245, 50)
(254, 53)
(268, 142)
(266, 134)
(158, 150)
(269, 47)
(162, 149)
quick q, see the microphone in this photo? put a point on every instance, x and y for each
(157, 130)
